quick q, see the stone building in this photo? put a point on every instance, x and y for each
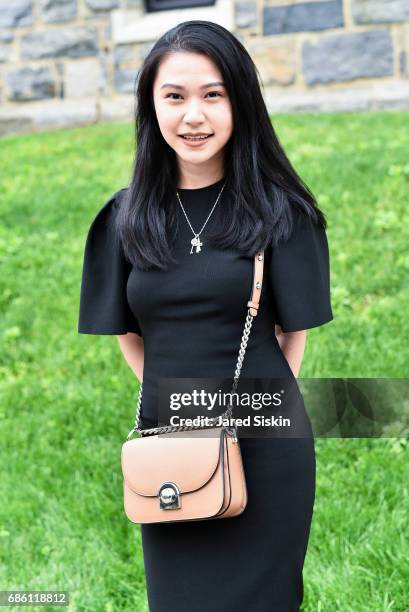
(73, 62)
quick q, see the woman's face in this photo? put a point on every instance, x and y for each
(189, 99)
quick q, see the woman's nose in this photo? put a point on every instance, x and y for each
(194, 111)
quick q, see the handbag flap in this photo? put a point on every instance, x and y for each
(187, 458)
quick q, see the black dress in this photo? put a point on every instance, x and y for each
(191, 318)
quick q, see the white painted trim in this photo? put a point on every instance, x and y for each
(130, 26)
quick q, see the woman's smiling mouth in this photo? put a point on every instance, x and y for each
(195, 140)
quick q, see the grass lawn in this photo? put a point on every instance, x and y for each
(68, 400)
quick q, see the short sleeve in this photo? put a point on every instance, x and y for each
(300, 277)
(104, 307)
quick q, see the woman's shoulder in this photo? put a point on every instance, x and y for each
(104, 308)
(299, 272)
(112, 204)
(305, 225)
(104, 218)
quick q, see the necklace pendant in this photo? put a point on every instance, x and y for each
(195, 241)
(197, 244)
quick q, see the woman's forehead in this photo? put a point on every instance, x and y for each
(187, 69)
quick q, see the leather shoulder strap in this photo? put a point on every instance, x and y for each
(254, 300)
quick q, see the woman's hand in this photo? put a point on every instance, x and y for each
(292, 345)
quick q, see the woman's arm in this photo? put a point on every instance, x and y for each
(292, 345)
(132, 347)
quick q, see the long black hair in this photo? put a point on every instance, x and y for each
(262, 187)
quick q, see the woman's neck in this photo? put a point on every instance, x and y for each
(190, 181)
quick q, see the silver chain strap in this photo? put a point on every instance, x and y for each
(212, 422)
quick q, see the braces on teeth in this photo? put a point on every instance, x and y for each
(195, 137)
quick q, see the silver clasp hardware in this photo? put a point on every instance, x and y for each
(233, 433)
(169, 496)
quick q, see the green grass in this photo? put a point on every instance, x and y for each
(67, 400)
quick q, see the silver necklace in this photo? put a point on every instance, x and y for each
(196, 242)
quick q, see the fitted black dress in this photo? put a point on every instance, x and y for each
(191, 318)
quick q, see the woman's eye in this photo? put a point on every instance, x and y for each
(208, 94)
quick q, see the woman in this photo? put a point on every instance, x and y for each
(168, 268)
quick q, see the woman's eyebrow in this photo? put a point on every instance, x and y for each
(214, 84)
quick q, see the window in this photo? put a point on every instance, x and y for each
(163, 5)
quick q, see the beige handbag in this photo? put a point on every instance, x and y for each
(189, 477)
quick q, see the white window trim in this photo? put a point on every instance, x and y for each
(130, 26)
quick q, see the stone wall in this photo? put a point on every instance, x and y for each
(72, 62)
